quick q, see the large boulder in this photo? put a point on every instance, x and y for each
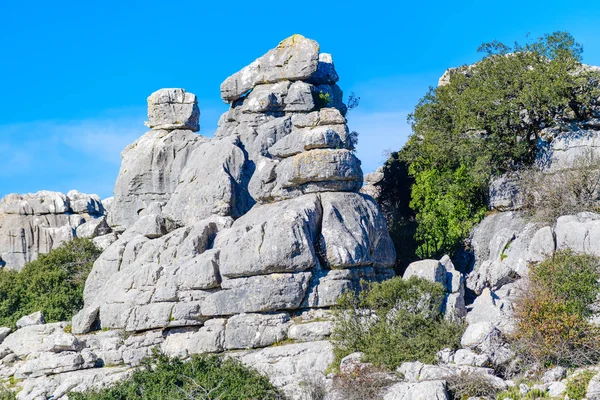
(173, 109)
(295, 58)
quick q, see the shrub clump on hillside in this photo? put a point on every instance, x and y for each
(484, 121)
(202, 377)
(553, 313)
(395, 321)
(569, 191)
(52, 284)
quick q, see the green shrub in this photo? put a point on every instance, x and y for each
(207, 377)
(52, 284)
(6, 394)
(485, 121)
(394, 321)
(515, 394)
(577, 385)
(552, 325)
(565, 192)
(468, 384)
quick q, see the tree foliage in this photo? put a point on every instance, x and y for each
(52, 284)
(207, 377)
(553, 314)
(485, 120)
(395, 321)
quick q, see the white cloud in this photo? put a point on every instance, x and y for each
(379, 132)
(64, 155)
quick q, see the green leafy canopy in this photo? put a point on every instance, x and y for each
(486, 120)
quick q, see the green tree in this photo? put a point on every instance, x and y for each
(486, 120)
(52, 284)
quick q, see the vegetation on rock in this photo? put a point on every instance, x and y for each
(202, 377)
(552, 315)
(52, 284)
(394, 321)
(577, 385)
(486, 120)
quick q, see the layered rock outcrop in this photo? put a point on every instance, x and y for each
(265, 217)
(33, 224)
(232, 243)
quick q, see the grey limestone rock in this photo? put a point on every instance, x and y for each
(150, 172)
(173, 109)
(51, 364)
(4, 332)
(430, 390)
(579, 233)
(276, 237)
(354, 232)
(212, 183)
(295, 58)
(247, 331)
(93, 228)
(262, 293)
(41, 338)
(287, 366)
(320, 165)
(431, 270)
(37, 318)
(300, 140)
(554, 374)
(209, 338)
(593, 389)
(84, 320)
(36, 223)
(299, 97)
(505, 193)
(310, 331)
(81, 203)
(325, 73)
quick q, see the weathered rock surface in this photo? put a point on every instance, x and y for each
(173, 109)
(232, 244)
(33, 224)
(295, 58)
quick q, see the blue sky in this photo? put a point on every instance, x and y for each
(75, 74)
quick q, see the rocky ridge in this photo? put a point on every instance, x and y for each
(230, 244)
(33, 224)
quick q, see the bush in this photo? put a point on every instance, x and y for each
(468, 384)
(486, 120)
(577, 385)
(394, 321)
(515, 394)
(552, 314)
(52, 284)
(206, 377)
(361, 384)
(6, 394)
(570, 191)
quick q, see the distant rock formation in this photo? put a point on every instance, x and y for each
(33, 224)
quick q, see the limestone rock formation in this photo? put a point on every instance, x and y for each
(233, 243)
(33, 224)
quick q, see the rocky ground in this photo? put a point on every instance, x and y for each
(240, 244)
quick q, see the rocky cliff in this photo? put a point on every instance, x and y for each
(232, 243)
(34, 224)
